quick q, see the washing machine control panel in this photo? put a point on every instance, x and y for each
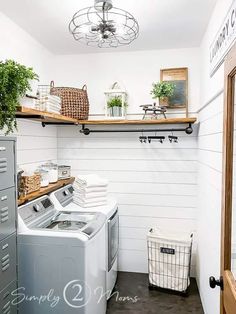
(65, 195)
(35, 209)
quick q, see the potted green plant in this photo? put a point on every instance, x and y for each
(163, 91)
(115, 106)
(14, 83)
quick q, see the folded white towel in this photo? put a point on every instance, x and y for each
(51, 98)
(87, 190)
(87, 196)
(47, 107)
(45, 100)
(89, 200)
(88, 205)
(91, 180)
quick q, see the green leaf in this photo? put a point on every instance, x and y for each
(14, 83)
(162, 90)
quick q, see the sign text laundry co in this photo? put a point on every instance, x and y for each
(224, 40)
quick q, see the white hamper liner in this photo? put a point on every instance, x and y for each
(169, 260)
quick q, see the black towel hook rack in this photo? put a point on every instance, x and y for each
(86, 131)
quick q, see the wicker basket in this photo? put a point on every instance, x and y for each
(74, 101)
(30, 184)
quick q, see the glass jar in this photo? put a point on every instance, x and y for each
(44, 177)
(52, 171)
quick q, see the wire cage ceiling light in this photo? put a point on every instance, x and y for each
(104, 26)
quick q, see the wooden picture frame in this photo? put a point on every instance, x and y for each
(179, 77)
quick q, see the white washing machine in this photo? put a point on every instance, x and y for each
(63, 201)
(61, 260)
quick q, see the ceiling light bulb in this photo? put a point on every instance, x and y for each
(103, 5)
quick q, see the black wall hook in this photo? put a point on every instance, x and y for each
(173, 138)
(158, 138)
(143, 139)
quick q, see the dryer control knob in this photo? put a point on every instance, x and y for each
(66, 193)
(36, 208)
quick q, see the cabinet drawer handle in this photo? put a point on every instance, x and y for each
(5, 246)
(5, 218)
(5, 257)
(4, 198)
(5, 263)
(4, 214)
(4, 209)
(5, 267)
(2, 149)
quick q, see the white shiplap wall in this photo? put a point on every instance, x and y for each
(35, 144)
(209, 200)
(155, 184)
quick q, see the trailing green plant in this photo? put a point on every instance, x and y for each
(115, 101)
(162, 90)
(14, 83)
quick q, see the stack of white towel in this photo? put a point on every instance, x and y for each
(49, 103)
(90, 191)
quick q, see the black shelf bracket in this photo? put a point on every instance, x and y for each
(86, 131)
(28, 117)
(44, 124)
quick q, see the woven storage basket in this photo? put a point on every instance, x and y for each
(74, 101)
(30, 184)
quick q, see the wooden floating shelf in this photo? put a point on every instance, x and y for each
(43, 191)
(136, 122)
(43, 116)
(53, 118)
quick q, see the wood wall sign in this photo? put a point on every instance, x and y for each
(179, 77)
(223, 40)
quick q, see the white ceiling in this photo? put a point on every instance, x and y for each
(163, 23)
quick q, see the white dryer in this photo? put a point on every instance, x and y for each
(63, 201)
(61, 260)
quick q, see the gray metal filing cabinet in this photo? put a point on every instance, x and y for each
(8, 268)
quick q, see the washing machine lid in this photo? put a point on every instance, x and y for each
(70, 221)
(41, 215)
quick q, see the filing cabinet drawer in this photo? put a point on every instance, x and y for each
(7, 164)
(7, 212)
(6, 306)
(7, 261)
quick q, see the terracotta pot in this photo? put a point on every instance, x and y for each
(164, 102)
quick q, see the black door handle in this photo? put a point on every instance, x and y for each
(213, 282)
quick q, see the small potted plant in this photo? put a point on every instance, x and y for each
(14, 83)
(114, 104)
(163, 91)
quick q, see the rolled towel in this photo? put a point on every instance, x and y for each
(91, 180)
(87, 196)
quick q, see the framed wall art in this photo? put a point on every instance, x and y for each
(179, 77)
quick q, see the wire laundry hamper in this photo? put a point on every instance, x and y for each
(169, 261)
